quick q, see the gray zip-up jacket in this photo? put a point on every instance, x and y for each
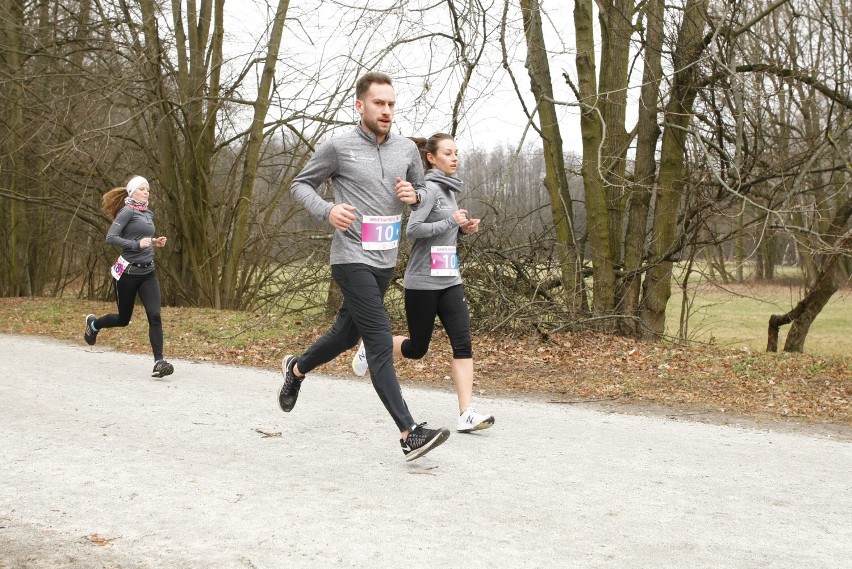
(432, 225)
(363, 174)
(129, 226)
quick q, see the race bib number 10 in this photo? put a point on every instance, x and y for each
(445, 262)
(380, 232)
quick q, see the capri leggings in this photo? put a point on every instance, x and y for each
(450, 305)
(147, 287)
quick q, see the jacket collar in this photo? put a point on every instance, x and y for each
(369, 135)
(449, 182)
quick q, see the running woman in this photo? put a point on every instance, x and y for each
(134, 273)
(374, 174)
(433, 285)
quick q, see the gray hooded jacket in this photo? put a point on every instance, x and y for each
(432, 225)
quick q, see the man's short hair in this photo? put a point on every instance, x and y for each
(363, 84)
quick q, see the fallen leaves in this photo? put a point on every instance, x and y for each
(100, 540)
(570, 366)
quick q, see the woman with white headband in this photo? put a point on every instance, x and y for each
(134, 273)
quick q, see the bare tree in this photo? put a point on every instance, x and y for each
(700, 177)
(556, 176)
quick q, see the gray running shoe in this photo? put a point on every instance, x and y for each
(90, 334)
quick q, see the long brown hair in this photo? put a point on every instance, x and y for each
(113, 201)
(429, 146)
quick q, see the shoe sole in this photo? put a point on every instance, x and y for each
(285, 363)
(86, 329)
(437, 441)
(487, 423)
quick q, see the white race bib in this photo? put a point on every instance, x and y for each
(118, 268)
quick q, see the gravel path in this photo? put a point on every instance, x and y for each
(103, 466)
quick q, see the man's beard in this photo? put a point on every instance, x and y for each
(376, 127)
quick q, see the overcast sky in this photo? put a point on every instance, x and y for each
(493, 118)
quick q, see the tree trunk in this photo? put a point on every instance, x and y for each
(805, 312)
(657, 285)
(818, 295)
(739, 255)
(250, 162)
(648, 133)
(13, 283)
(591, 128)
(183, 147)
(615, 17)
(556, 178)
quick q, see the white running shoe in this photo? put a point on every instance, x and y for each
(470, 420)
(359, 362)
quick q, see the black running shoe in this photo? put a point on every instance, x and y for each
(421, 440)
(162, 368)
(290, 390)
(90, 334)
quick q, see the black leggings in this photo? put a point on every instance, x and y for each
(147, 287)
(450, 305)
(363, 315)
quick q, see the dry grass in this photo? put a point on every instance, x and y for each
(705, 382)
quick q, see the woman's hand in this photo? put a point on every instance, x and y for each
(466, 225)
(146, 242)
(472, 226)
(461, 217)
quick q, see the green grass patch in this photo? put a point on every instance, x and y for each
(738, 316)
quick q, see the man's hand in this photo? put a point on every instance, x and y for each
(341, 216)
(405, 192)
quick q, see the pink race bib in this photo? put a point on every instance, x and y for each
(445, 262)
(380, 232)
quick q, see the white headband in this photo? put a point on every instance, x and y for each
(134, 184)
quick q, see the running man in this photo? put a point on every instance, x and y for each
(374, 174)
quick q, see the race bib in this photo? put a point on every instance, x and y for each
(445, 262)
(118, 267)
(380, 232)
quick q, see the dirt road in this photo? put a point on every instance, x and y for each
(102, 466)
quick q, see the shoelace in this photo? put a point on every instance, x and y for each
(417, 436)
(291, 381)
